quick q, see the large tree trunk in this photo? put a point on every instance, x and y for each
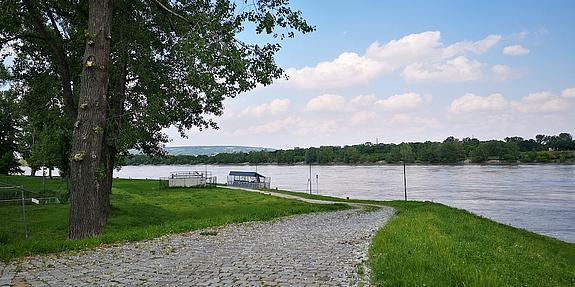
(115, 125)
(105, 182)
(86, 170)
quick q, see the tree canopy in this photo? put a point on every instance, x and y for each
(108, 76)
(8, 135)
(172, 62)
(450, 151)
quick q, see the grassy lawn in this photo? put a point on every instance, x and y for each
(430, 244)
(140, 211)
(435, 245)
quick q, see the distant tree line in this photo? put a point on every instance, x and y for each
(542, 149)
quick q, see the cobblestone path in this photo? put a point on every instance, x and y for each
(319, 249)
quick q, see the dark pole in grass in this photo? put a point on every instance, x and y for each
(24, 212)
(310, 191)
(404, 182)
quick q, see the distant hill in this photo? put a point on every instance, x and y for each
(212, 150)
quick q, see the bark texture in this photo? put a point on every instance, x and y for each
(115, 125)
(105, 182)
(86, 169)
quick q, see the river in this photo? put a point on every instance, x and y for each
(540, 198)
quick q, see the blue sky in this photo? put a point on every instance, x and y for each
(400, 71)
(403, 71)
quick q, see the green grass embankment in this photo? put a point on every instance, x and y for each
(140, 210)
(430, 244)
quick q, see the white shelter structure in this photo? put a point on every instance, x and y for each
(189, 179)
(248, 179)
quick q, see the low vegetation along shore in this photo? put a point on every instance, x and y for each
(424, 244)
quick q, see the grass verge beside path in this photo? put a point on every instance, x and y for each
(435, 245)
(139, 211)
(430, 244)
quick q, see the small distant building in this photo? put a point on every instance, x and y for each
(188, 179)
(248, 179)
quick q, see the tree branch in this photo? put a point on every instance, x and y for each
(169, 20)
(58, 50)
(21, 36)
(54, 25)
(165, 8)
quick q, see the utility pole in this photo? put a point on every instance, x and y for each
(404, 182)
(310, 191)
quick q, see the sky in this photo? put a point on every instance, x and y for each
(404, 71)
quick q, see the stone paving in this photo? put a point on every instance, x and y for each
(319, 249)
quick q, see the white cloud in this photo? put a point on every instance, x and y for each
(478, 47)
(326, 102)
(363, 117)
(504, 72)
(292, 125)
(425, 46)
(459, 69)
(568, 93)
(402, 101)
(363, 100)
(346, 70)
(473, 103)
(515, 50)
(275, 107)
(421, 51)
(541, 102)
(410, 48)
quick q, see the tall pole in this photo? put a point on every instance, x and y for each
(24, 212)
(404, 182)
(310, 191)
